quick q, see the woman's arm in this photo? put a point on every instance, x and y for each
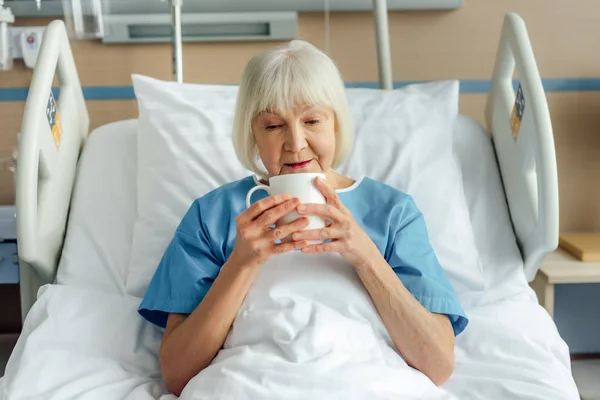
(425, 339)
(191, 342)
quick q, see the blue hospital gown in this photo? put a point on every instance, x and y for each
(205, 238)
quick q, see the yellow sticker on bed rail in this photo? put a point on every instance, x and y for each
(54, 120)
(517, 113)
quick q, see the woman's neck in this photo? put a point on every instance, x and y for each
(338, 181)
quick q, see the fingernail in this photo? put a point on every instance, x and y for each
(301, 208)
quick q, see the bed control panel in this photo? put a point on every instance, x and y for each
(8, 223)
(9, 266)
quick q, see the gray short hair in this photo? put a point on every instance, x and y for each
(279, 79)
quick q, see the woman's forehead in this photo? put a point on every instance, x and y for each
(299, 108)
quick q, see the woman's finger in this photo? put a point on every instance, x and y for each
(329, 192)
(260, 207)
(325, 211)
(332, 232)
(288, 246)
(286, 229)
(335, 246)
(272, 215)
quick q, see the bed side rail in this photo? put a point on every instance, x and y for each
(523, 139)
(52, 135)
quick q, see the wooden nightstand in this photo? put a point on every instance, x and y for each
(561, 267)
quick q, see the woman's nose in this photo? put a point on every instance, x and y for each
(295, 140)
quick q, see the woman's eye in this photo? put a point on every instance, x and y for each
(272, 127)
(312, 121)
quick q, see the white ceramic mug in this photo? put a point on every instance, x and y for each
(301, 186)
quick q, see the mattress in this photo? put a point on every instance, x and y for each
(99, 347)
(103, 211)
(490, 218)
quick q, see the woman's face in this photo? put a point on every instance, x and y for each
(297, 140)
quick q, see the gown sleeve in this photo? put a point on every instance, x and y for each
(414, 261)
(185, 273)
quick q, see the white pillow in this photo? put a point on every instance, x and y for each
(403, 138)
(184, 151)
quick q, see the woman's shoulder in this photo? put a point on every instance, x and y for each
(381, 191)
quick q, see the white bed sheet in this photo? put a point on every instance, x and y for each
(97, 349)
(100, 347)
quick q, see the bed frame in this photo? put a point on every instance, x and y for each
(47, 167)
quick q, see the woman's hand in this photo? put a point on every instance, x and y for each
(255, 240)
(347, 237)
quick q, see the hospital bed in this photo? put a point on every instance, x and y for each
(76, 208)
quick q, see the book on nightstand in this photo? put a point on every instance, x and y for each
(584, 246)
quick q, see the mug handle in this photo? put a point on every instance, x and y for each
(254, 189)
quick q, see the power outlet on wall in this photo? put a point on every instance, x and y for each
(26, 43)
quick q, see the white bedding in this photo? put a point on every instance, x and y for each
(94, 349)
(98, 347)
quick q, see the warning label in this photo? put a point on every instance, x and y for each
(54, 119)
(517, 113)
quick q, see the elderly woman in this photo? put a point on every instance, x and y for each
(292, 117)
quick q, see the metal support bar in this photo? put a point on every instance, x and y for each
(177, 41)
(382, 38)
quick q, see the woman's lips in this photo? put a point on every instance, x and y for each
(299, 165)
